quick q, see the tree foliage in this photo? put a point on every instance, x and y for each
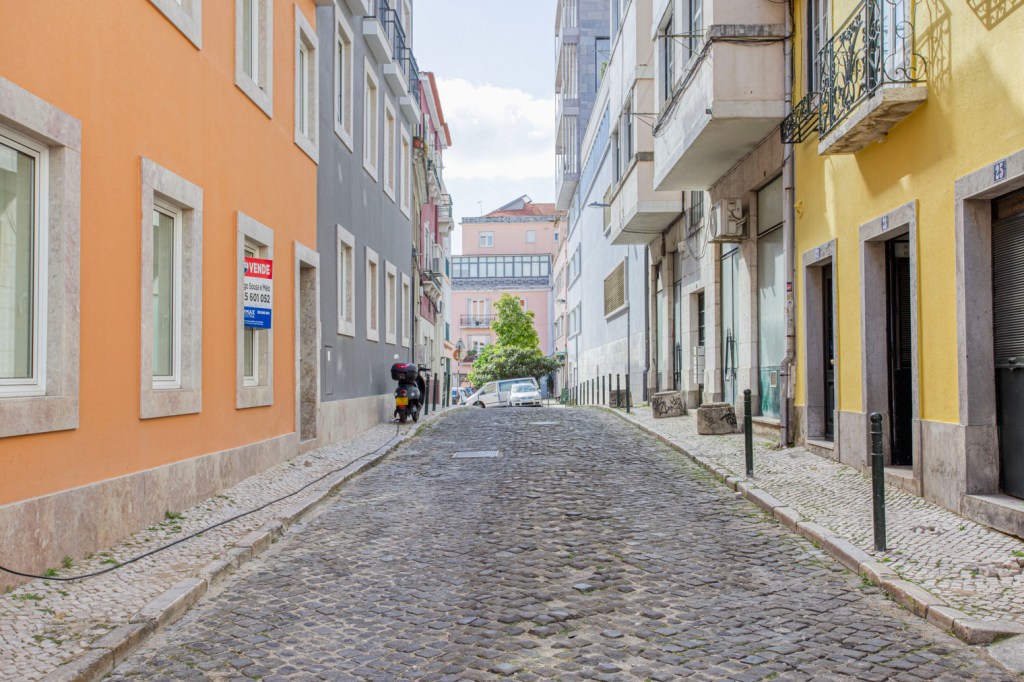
(516, 351)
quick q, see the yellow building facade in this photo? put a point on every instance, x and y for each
(908, 148)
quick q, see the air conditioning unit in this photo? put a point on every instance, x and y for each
(727, 222)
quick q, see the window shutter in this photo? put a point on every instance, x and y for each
(615, 289)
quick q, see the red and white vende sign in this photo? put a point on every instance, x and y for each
(258, 292)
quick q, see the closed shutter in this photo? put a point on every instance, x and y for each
(615, 289)
(1008, 288)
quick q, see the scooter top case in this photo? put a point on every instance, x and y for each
(401, 371)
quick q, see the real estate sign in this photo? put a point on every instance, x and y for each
(257, 292)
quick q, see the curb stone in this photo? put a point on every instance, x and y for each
(913, 598)
(103, 655)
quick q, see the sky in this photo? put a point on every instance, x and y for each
(493, 61)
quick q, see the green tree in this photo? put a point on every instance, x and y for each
(512, 325)
(516, 351)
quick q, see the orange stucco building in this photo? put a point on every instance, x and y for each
(146, 148)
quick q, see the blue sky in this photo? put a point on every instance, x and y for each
(494, 64)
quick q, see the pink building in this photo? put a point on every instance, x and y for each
(509, 250)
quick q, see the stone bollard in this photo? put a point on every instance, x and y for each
(715, 419)
(668, 404)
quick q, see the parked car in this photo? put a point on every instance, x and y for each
(524, 394)
(496, 393)
(459, 395)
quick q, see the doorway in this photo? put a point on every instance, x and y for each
(899, 353)
(1008, 337)
(730, 275)
(828, 359)
(307, 343)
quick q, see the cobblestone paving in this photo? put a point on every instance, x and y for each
(587, 551)
(971, 567)
(45, 623)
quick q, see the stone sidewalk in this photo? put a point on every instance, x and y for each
(970, 572)
(53, 629)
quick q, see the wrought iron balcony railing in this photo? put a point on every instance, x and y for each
(476, 320)
(802, 121)
(874, 47)
(444, 207)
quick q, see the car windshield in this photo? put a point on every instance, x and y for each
(522, 388)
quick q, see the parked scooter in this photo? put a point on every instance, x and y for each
(410, 393)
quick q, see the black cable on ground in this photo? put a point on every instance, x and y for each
(198, 532)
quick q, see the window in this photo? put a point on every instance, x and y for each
(615, 290)
(486, 240)
(254, 33)
(390, 303)
(254, 346)
(406, 301)
(372, 295)
(477, 343)
(305, 86)
(667, 74)
(370, 114)
(626, 136)
(695, 27)
(343, 79)
(501, 266)
(389, 148)
(405, 172)
(696, 217)
(186, 15)
(172, 209)
(817, 33)
(531, 236)
(39, 272)
(556, 236)
(574, 265)
(346, 247)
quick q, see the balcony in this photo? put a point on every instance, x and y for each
(638, 214)
(871, 76)
(567, 163)
(410, 105)
(375, 33)
(444, 213)
(729, 98)
(477, 321)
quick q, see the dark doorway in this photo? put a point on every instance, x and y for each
(901, 395)
(829, 353)
(1008, 336)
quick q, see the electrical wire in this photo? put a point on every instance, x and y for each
(197, 533)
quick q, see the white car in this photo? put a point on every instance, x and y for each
(524, 394)
(497, 393)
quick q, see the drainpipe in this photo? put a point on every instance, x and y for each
(647, 318)
(787, 370)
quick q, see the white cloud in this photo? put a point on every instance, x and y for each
(499, 134)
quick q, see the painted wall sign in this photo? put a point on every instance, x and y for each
(999, 170)
(257, 292)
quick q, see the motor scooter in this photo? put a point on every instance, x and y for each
(410, 392)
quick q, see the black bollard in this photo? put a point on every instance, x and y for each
(602, 389)
(878, 481)
(437, 385)
(426, 397)
(748, 433)
(618, 391)
(629, 395)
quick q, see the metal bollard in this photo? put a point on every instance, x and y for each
(602, 389)
(878, 481)
(618, 391)
(748, 433)
(628, 393)
(426, 397)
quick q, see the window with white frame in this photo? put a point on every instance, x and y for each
(254, 53)
(371, 112)
(531, 236)
(39, 271)
(695, 27)
(405, 172)
(667, 54)
(390, 303)
(346, 266)
(389, 148)
(305, 85)
(372, 295)
(171, 378)
(254, 345)
(818, 29)
(406, 299)
(477, 342)
(186, 15)
(486, 240)
(626, 136)
(343, 79)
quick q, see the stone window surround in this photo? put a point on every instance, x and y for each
(814, 399)
(262, 94)
(390, 163)
(305, 35)
(160, 183)
(371, 153)
(187, 17)
(406, 287)
(372, 300)
(404, 175)
(390, 302)
(57, 410)
(874, 368)
(343, 30)
(346, 325)
(973, 195)
(308, 321)
(262, 393)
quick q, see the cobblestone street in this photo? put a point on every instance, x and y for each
(585, 550)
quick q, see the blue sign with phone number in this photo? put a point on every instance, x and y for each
(258, 318)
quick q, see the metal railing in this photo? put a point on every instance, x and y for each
(476, 320)
(444, 207)
(872, 48)
(400, 50)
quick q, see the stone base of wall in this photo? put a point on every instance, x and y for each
(36, 534)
